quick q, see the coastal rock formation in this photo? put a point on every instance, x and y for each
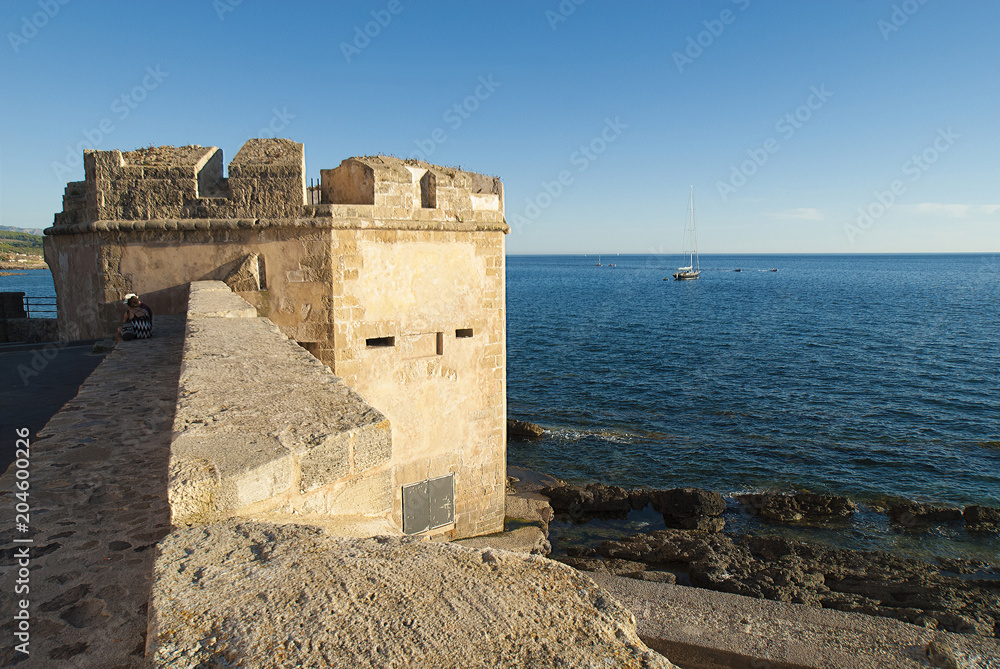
(914, 514)
(874, 583)
(670, 547)
(277, 596)
(982, 518)
(803, 506)
(519, 429)
(683, 508)
(690, 508)
(594, 499)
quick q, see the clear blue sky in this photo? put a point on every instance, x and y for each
(835, 105)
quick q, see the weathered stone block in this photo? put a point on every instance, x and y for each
(312, 332)
(370, 495)
(372, 446)
(324, 463)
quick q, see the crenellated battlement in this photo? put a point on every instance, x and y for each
(266, 183)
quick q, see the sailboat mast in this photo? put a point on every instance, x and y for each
(695, 263)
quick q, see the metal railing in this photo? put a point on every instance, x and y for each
(40, 307)
(313, 194)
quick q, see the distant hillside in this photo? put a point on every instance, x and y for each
(20, 242)
(30, 231)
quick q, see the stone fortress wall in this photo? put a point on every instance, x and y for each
(395, 281)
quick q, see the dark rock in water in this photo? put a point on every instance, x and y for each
(803, 506)
(690, 508)
(912, 514)
(982, 518)
(581, 551)
(874, 583)
(639, 498)
(595, 499)
(519, 429)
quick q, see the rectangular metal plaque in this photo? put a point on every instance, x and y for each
(442, 502)
(429, 504)
(416, 508)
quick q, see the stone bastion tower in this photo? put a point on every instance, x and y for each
(392, 275)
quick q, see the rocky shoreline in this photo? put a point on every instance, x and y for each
(956, 595)
(7, 265)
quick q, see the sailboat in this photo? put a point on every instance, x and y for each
(598, 263)
(693, 269)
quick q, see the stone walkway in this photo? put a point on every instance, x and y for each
(98, 508)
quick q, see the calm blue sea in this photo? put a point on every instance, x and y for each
(31, 282)
(868, 376)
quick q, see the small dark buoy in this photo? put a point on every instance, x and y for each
(774, 269)
(737, 270)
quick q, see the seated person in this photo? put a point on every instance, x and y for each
(137, 323)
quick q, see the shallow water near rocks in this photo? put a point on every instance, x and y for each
(873, 377)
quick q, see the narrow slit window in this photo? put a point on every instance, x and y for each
(440, 343)
(428, 191)
(463, 332)
(380, 342)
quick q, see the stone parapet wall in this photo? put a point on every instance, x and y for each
(263, 428)
(169, 188)
(266, 179)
